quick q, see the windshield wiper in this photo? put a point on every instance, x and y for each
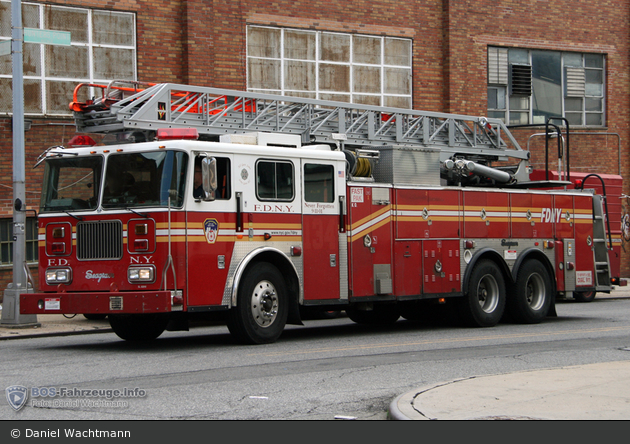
(73, 215)
(145, 215)
(53, 208)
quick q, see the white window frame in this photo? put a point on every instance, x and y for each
(351, 64)
(90, 45)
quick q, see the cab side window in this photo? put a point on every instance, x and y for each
(318, 183)
(224, 186)
(274, 180)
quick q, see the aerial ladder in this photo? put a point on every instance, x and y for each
(467, 145)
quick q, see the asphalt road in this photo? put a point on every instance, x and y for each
(329, 369)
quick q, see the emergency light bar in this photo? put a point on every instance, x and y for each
(177, 134)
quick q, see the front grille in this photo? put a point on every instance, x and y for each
(99, 240)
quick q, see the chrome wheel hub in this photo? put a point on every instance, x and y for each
(264, 304)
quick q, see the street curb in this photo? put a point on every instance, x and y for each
(400, 402)
(401, 408)
(57, 333)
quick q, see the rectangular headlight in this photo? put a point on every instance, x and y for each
(51, 276)
(140, 274)
(58, 276)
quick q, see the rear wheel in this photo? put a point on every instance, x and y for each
(484, 302)
(138, 327)
(584, 296)
(381, 314)
(262, 306)
(531, 296)
(414, 310)
(428, 312)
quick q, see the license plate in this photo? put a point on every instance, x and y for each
(52, 304)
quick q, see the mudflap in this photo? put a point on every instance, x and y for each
(552, 309)
(294, 317)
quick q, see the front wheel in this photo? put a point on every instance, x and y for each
(531, 296)
(95, 316)
(138, 327)
(262, 306)
(484, 302)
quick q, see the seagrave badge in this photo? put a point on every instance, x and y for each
(17, 396)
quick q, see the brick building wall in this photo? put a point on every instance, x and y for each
(203, 42)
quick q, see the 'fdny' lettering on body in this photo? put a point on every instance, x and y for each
(273, 208)
(550, 215)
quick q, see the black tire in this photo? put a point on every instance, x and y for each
(426, 312)
(313, 313)
(416, 311)
(262, 306)
(484, 302)
(95, 316)
(584, 296)
(330, 314)
(138, 327)
(381, 314)
(531, 295)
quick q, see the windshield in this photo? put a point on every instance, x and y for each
(144, 179)
(131, 180)
(71, 183)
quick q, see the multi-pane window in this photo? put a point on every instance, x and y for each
(103, 48)
(529, 86)
(364, 69)
(6, 240)
(274, 180)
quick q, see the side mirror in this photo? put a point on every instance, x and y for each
(209, 177)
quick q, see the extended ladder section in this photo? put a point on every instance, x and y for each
(600, 247)
(214, 112)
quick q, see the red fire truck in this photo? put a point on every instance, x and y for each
(255, 208)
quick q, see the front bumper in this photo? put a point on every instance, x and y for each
(99, 303)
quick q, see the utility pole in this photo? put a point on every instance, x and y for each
(11, 316)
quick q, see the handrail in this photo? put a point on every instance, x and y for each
(547, 135)
(78, 106)
(605, 203)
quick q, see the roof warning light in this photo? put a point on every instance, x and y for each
(177, 134)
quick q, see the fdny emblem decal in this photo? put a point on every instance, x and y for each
(211, 230)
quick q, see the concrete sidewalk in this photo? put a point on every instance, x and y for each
(585, 392)
(55, 325)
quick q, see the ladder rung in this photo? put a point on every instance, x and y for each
(601, 264)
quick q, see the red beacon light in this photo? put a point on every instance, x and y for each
(81, 141)
(177, 134)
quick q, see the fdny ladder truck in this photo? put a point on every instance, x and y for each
(256, 208)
